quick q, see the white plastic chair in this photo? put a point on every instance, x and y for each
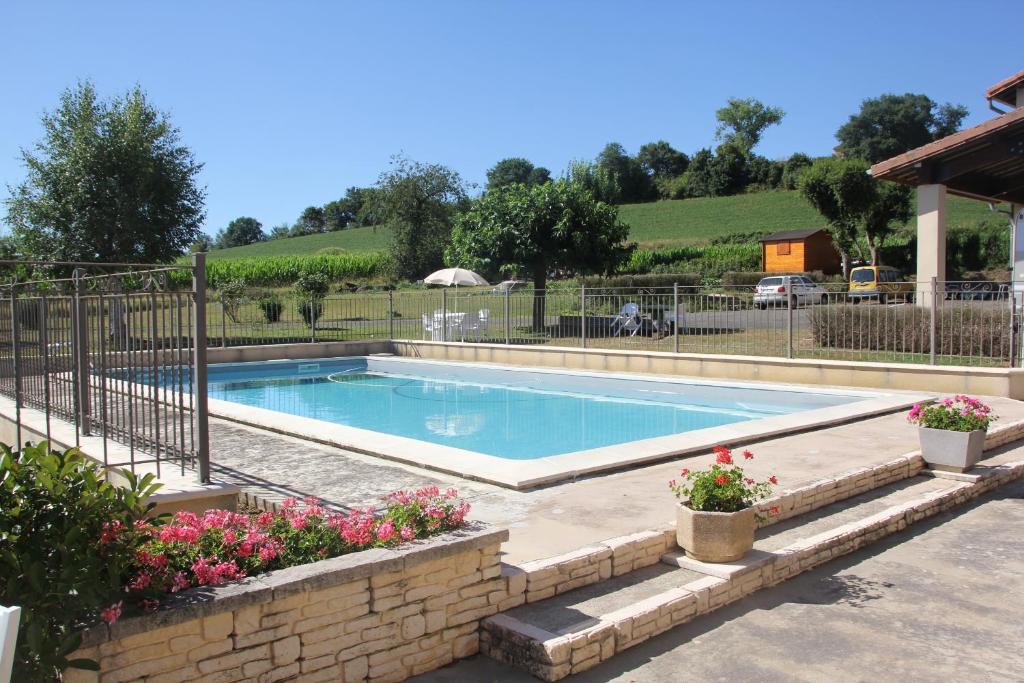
(433, 326)
(471, 325)
(628, 321)
(485, 319)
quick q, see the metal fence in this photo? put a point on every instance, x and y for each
(116, 350)
(950, 323)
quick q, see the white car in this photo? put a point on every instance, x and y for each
(774, 291)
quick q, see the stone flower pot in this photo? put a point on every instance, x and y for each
(715, 536)
(951, 451)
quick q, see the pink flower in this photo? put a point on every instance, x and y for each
(140, 582)
(747, 455)
(748, 480)
(672, 483)
(408, 533)
(451, 493)
(386, 531)
(684, 473)
(289, 503)
(180, 582)
(112, 613)
(773, 510)
(773, 479)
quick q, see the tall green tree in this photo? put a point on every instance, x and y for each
(661, 160)
(312, 220)
(633, 183)
(240, 232)
(742, 122)
(891, 124)
(854, 204)
(110, 180)
(419, 203)
(280, 231)
(516, 170)
(558, 225)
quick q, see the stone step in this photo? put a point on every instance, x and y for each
(576, 630)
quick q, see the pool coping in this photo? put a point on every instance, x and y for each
(527, 474)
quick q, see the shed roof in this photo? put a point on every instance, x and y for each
(790, 235)
(1005, 91)
(983, 162)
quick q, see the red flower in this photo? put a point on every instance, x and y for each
(722, 479)
(672, 483)
(747, 455)
(685, 472)
(773, 510)
(723, 456)
(773, 480)
(748, 480)
(112, 613)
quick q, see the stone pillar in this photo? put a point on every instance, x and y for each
(931, 240)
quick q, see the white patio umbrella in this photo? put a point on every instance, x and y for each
(454, 277)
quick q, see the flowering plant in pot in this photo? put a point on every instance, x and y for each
(952, 431)
(715, 519)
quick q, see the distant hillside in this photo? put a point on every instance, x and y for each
(657, 224)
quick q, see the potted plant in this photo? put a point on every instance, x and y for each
(952, 431)
(715, 519)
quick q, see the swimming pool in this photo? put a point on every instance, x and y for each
(511, 425)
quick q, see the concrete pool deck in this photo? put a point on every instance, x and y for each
(563, 517)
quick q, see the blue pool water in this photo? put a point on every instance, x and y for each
(510, 413)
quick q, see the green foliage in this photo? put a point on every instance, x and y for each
(661, 161)
(202, 243)
(271, 306)
(630, 181)
(742, 122)
(792, 170)
(710, 261)
(285, 270)
(353, 210)
(313, 285)
(516, 170)
(240, 232)
(232, 295)
(109, 181)
(723, 487)
(892, 124)
(418, 202)
(311, 221)
(310, 310)
(958, 414)
(597, 180)
(642, 281)
(56, 561)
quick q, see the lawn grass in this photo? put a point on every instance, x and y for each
(354, 240)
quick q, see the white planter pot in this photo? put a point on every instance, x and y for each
(715, 536)
(951, 451)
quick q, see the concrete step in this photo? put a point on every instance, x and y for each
(574, 631)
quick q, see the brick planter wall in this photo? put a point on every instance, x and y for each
(377, 615)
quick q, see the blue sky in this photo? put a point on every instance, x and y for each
(288, 104)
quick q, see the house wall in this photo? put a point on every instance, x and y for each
(822, 254)
(793, 262)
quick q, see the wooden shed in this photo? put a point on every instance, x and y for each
(800, 251)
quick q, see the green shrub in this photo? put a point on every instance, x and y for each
(271, 306)
(232, 294)
(60, 558)
(313, 285)
(311, 310)
(647, 280)
(966, 330)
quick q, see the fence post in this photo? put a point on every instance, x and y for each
(583, 316)
(1013, 332)
(391, 314)
(675, 317)
(790, 298)
(223, 323)
(9, 618)
(16, 352)
(202, 425)
(444, 312)
(82, 357)
(933, 314)
(508, 321)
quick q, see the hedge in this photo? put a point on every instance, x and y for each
(961, 330)
(648, 280)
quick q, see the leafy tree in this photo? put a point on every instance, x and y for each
(892, 124)
(311, 221)
(696, 181)
(660, 160)
(558, 225)
(714, 174)
(352, 210)
(743, 122)
(853, 202)
(634, 185)
(419, 202)
(109, 181)
(763, 173)
(792, 169)
(598, 181)
(240, 232)
(280, 231)
(516, 170)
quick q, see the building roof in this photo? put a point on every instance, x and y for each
(1005, 91)
(984, 162)
(790, 235)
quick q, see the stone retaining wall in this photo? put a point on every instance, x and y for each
(377, 615)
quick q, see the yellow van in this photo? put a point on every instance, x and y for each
(879, 282)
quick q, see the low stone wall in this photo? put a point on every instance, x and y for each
(377, 615)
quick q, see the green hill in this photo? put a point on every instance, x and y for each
(653, 225)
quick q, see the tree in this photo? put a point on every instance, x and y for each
(743, 122)
(311, 221)
(633, 183)
(792, 169)
(109, 181)
(280, 231)
(240, 232)
(353, 209)
(662, 161)
(598, 181)
(202, 243)
(892, 124)
(516, 170)
(853, 202)
(558, 225)
(419, 202)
